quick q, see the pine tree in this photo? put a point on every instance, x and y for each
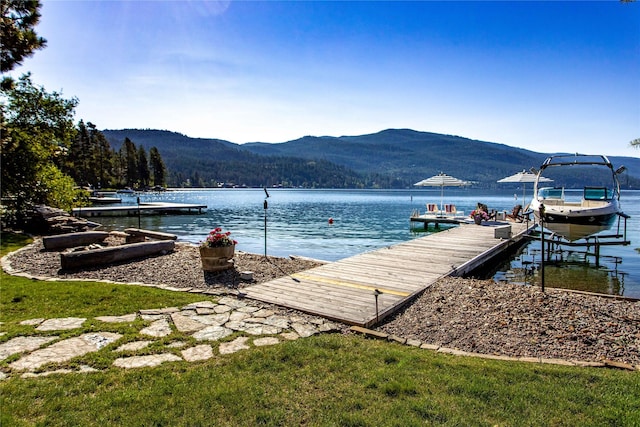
(143, 168)
(158, 168)
(129, 154)
(19, 39)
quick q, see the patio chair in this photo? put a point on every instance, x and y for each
(516, 214)
(452, 210)
(432, 209)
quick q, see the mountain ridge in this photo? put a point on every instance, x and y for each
(391, 158)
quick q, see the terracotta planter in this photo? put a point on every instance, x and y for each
(477, 219)
(217, 259)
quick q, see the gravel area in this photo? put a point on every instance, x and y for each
(471, 315)
(181, 268)
(482, 316)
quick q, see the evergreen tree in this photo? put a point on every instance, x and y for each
(129, 153)
(143, 168)
(76, 162)
(19, 39)
(106, 159)
(158, 168)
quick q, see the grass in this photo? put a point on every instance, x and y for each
(333, 380)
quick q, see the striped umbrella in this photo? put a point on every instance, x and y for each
(524, 177)
(442, 180)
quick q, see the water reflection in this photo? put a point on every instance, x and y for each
(564, 268)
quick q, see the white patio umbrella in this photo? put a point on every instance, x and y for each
(442, 180)
(522, 178)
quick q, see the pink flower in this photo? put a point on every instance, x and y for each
(217, 238)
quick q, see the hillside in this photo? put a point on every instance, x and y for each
(201, 162)
(393, 158)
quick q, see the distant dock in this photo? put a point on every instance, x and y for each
(156, 208)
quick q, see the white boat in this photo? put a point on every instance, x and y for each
(126, 190)
(103, 200)
(591, 209)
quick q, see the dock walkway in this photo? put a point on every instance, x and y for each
(155, 208)
(363, 289)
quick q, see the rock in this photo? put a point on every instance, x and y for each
(186, 324)
(234, 346)
(199, 352)
(159, 328)
(60, 324)
(145, 361)
(22, 345)
(212, 333)
(133, 346)
(64, 350)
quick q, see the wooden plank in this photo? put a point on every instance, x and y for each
(113, 254)
(70, 240)
(158, 235)
(344, 290)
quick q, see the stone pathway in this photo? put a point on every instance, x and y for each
(207, 322)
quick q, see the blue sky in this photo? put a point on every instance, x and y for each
(545, 76)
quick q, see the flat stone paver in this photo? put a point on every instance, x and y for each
(232, 302)
(200, 304)
(186, 324)
(133, 346)
(212, 333)
(118, 319)
(222, 308)
(61, 324)
(247, 309)
(304, 330)
(33, 322)
(65, 350)
(22, 345)
(238, 344)
(278, 321)
(253, 328)
(199, 352)
(159, 328)
(263, 313)
(145, 361)
(290, 336)
(259, 342)
(204, 321)
(214, 319)
(237, 316)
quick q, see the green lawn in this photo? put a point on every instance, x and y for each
(332, 379)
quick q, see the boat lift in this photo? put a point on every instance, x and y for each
(551, 242)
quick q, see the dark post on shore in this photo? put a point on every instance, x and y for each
(542, 246)
(266, 205)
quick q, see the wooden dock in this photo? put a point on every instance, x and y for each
(364, 289)
(156, 208)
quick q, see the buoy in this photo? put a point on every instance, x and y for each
(330, 220)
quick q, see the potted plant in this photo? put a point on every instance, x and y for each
(216, 250)
(479, 215)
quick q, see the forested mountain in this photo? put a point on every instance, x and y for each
(196, 162)
(393, 158)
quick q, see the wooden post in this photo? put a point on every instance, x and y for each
(542, 246)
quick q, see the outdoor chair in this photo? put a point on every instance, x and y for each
(432, 208)
(452, 210)
(516, 214)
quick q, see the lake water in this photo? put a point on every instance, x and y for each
(297, 223)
